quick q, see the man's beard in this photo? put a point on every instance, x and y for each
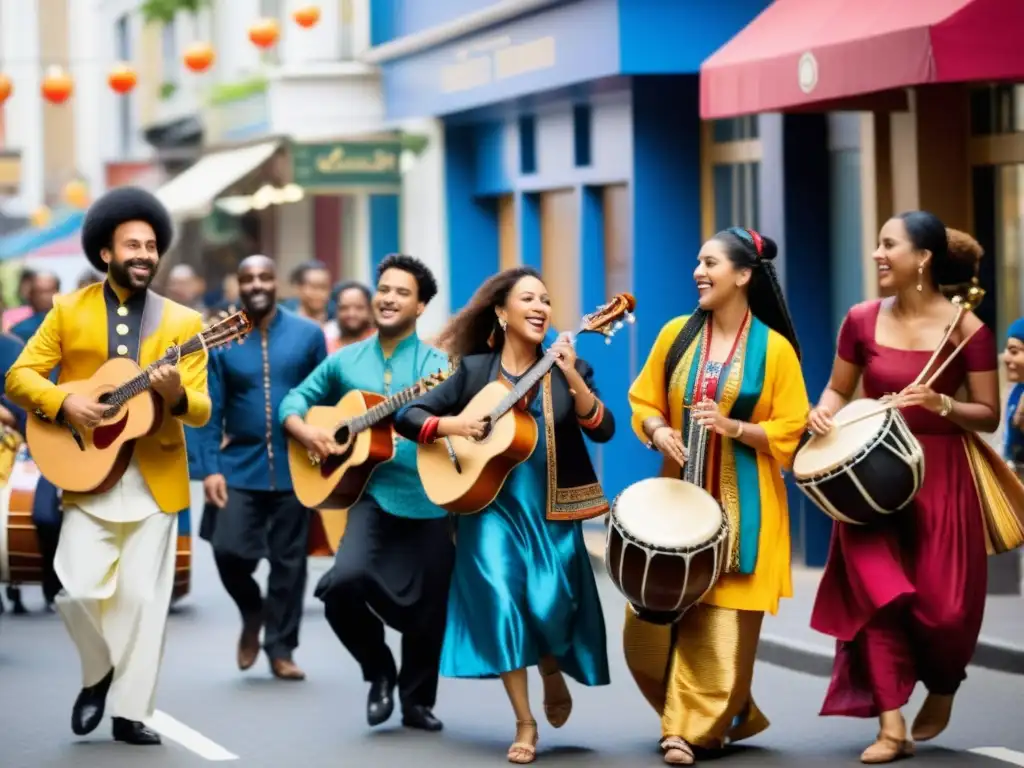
(265, 302)
(120, 275)
(348, 332)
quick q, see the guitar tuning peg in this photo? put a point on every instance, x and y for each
(630, 318)
(608, 338)
(618, 325)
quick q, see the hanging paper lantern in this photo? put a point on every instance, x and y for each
(76, 194)
(6, 88)
(199, 56)
(307, 16)
(122, 78)
(40, 217)
(264, 33)
(57, 86)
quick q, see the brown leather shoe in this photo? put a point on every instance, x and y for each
(249, 643)
(286, 669)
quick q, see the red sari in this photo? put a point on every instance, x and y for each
(905, 599)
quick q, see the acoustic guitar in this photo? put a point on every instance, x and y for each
(462, 475)
(93, 460)
(362, 429)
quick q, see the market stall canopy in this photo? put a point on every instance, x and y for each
(190, 194)
(25, 241)
(800, 52)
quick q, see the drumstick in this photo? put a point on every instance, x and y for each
(867, 414)
(953, 354)
(938, 350)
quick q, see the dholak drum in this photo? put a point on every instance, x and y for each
(666, 546)
(863, 471)
(21, 561)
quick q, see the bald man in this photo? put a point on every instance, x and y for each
(251, 512)
(185, 287)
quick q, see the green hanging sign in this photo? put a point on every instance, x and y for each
(342, 164)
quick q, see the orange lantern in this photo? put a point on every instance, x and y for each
(6, 88)
(76, 194)
(264, 33)
(199, 56)
(57, 86)
(40, 217)
(122, 78)
(307, 16)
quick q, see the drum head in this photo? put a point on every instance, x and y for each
(823, 453)
(668, 513)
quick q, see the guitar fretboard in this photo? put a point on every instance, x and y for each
(139, 384)
(523, 386)
(379, 412)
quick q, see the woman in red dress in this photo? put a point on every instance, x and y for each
(904, 599)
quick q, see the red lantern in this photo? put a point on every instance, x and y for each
(6, 88)
(264, 33)
(122, 78)
(199, 56)
(57, 86)
(307, 16)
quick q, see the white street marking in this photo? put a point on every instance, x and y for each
(191, 740)
(1000, 753)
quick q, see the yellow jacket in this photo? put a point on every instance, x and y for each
(74, 336)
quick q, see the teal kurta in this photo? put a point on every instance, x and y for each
(395, 485)
(523, 586)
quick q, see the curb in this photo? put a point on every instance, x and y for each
(991, 654)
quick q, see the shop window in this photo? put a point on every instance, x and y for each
(735, 129)
(736, 195)
(527, 145)
(581, 127)
(997, 109)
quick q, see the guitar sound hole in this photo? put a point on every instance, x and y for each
(342, 435)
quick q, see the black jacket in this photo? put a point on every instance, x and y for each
(578, 495)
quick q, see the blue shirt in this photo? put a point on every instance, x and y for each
(395, 485)
(10, 348)
(1013, 447)
(247, 384)
(26, 329)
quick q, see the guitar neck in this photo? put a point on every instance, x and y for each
(141, 383)
(523, 386)
(380, 411)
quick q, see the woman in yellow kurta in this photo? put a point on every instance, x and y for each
(732, 367)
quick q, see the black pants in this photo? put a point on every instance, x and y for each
(396, 571)
(272, 525)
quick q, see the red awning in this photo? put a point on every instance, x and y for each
(800, 52)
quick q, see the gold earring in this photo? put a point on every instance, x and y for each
(920, 272)
(503, 324)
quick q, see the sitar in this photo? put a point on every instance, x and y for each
(464, 476)
(93, 460)
(361, 426)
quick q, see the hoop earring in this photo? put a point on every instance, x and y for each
(920, 272)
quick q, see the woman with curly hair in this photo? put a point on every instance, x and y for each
(523, 591)
(904, 598)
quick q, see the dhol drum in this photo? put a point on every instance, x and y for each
(666, 547)
(868, 467)
(21, 561)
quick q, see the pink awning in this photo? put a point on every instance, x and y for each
(800, 52)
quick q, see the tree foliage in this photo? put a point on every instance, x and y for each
(164, 11)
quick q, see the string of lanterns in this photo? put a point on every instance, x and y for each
(57, 85)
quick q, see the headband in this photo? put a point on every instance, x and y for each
(752, 236)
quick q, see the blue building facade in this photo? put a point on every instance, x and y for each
(573, 143)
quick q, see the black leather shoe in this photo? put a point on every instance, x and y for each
(88, 709)
(380, 704)
(134, 732)
(421, 718)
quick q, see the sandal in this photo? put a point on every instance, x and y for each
(677, 751)
(558, 710)
(887, 749)
(521, 752)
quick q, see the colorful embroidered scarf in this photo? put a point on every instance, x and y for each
(739, 389)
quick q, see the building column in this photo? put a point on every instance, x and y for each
(794, 153)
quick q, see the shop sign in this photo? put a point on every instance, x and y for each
(347, 164)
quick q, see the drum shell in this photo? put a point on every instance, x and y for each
(880, 480)
(675, 581)
(21, 561)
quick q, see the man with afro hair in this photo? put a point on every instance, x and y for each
(116, 554)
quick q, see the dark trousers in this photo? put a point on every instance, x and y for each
(46, 514)
(272, 525)
(395, 571)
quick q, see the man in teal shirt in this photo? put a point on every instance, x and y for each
(395, 559)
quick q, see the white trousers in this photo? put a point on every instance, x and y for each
(118, 578)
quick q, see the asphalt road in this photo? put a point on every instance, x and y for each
(208, 710)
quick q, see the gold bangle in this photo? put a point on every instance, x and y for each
(739, 431)
(947, 406)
